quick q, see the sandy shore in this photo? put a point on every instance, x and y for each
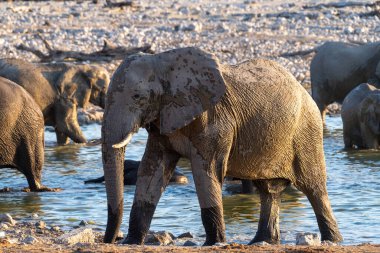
(234, 31)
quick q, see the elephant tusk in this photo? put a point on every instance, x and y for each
(124, 142)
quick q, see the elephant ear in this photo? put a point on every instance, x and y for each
(74, 82)
(192, 83)
(366, 110)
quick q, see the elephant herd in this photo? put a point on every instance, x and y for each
(251, 121)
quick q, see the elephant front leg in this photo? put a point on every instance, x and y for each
(269, 228)
(209, 190)
(155, 171)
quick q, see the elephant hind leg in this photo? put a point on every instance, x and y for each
(311, 180)
(268, 228)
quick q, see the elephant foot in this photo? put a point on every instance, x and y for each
(42, 189)
(131, 240)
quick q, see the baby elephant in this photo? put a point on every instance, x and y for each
(361, 117)
(22, 133)
(130, 175)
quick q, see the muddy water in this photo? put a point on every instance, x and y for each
(353, 184)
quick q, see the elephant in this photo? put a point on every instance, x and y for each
(130, 175)
(22, 133)
(361, 117)
(58, 88)
(339, 67)
(251, 121)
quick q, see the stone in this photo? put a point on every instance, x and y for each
(7, 218)
(83, 223)
(80, 235)
(311, 239)
(348, 30)
(4, 226)
(263, 243)
(161, 238)
(185, 235)
(189, 243)
(55, 229)
(40, 224)
(2, 234)
(34, 216)
(30, 240)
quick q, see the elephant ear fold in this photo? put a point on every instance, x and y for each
(192, 83)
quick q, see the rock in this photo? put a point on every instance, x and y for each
(185, 235)
(189, 243)
(4, 226)
(7, 218)
(83, 223)
(311, 239)
(55, 229)
(195, 27)
(80, 235)
(30, 240)
(120, 235)
(2, 234)
(161, 238)
(261, 243)
(40, 224)
(328, 243)
(348, 30)
(34, 216)
(220, 244)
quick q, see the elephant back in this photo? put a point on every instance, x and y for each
(31, 79)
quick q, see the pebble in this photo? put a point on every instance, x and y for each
(185, 235)
(7, 218)
(40, 224)
(161, 238)
(30, 240)
(189, 243)
(310, 239)
(80, 235)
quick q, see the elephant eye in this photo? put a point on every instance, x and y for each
(136, 96)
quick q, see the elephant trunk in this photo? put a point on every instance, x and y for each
(67, 122)
(113, 160)
(113, 165)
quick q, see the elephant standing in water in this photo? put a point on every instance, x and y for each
(339, 67)
(361, 117)
(250, 121)
(22, 133)
(58, 89)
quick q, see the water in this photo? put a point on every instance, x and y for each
(353, 184)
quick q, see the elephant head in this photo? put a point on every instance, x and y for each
(89, 82)
(169, 89)
(370, 119)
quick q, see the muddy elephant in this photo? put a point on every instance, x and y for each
(338, 67)
(130, 175)
(58, 88)
(361, 117)
(22, 133)
(250, 121)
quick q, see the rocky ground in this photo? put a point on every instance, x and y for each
(234, 30)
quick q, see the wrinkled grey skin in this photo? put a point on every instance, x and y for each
(251, 121)
(339, 67)
(22, 133)
(361, 117)
(58, 89)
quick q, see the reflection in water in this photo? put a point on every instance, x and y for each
(20, 202)
(353, 184)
